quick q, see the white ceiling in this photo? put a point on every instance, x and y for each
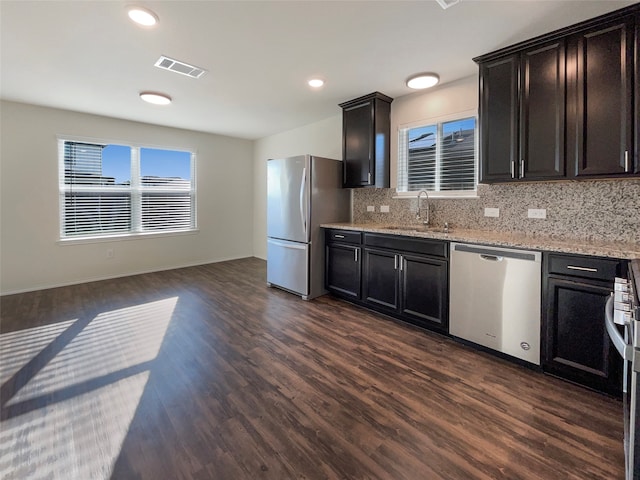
(89, 57)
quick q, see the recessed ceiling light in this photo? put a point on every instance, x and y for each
(316, 82)
(155, 98)
(143, 16)
(423, 80)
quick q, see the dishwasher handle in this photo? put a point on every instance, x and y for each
(497, 252)
(491, 258)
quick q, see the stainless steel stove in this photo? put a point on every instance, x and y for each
(623, 315)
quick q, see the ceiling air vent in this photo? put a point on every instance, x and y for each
(447, 3)
(177, 66)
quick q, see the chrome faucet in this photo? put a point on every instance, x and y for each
(419, 212)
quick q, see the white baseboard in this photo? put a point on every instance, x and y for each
(109, 277)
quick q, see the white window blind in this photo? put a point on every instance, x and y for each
(440, 157)
(167, 198)
(117, 189)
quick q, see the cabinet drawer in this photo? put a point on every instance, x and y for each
(584, 267)
(407, 244)
(344, 236)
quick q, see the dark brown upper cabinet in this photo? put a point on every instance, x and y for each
(542, 112)
(636, 90)
(563, 105)
(499, 119)
(522, 115)
(601, 92)
(366, 131)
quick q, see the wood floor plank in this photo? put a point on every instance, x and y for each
(206, 373)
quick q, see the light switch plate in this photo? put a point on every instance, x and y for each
(384, 208)
(491, 212)
(371, 208)
(537, 213)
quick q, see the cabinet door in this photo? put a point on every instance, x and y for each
(602, 131)
(380, 282)
(342, 272)
(577, 346)
(542, 112)
(358, 144)
(424, 291)
(635, 158)
(499, 119)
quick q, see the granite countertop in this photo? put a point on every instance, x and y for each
(620, 250)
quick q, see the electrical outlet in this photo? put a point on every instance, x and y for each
(537, 213)
(491, 212)
(384, 208)
(371, 208)
(110, 253)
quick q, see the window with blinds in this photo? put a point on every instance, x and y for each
(439, 158)
(108, 190)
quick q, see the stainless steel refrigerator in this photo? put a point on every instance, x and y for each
(303, 192)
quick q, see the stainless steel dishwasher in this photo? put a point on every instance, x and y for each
(495, 299)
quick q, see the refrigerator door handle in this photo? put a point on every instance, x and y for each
(302, 197)
(286, 245)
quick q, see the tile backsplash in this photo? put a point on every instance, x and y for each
(600, 210)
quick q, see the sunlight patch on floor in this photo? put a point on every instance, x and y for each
(69, 420)
(18, 348)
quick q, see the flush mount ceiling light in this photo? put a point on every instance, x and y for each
(155, 98)
(316, 82)
(423, 80)
(447, 3)
(142, 16)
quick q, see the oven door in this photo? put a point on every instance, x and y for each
(631, 405)
(624, 346)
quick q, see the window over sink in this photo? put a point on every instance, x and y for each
(440, 157)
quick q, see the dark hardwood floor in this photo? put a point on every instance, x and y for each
(205, 373)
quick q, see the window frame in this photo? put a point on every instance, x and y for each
(135, 190)
(402, 159)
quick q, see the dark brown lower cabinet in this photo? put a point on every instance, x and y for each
(342, 273)
(409, 286)
(404, 277)
(380, 286)
(425, 291)
(576, 343)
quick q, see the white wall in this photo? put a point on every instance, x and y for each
(31, 256)
(322, 138)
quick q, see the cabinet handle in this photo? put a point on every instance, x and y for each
(338, 236)
(395, 262)
(582, 269)
(522, 168)
(401, 261)
(513, 169)
(626, 161)
(355, 252)
(369, 178)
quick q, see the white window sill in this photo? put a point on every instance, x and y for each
(126, 236)
(440, 195)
